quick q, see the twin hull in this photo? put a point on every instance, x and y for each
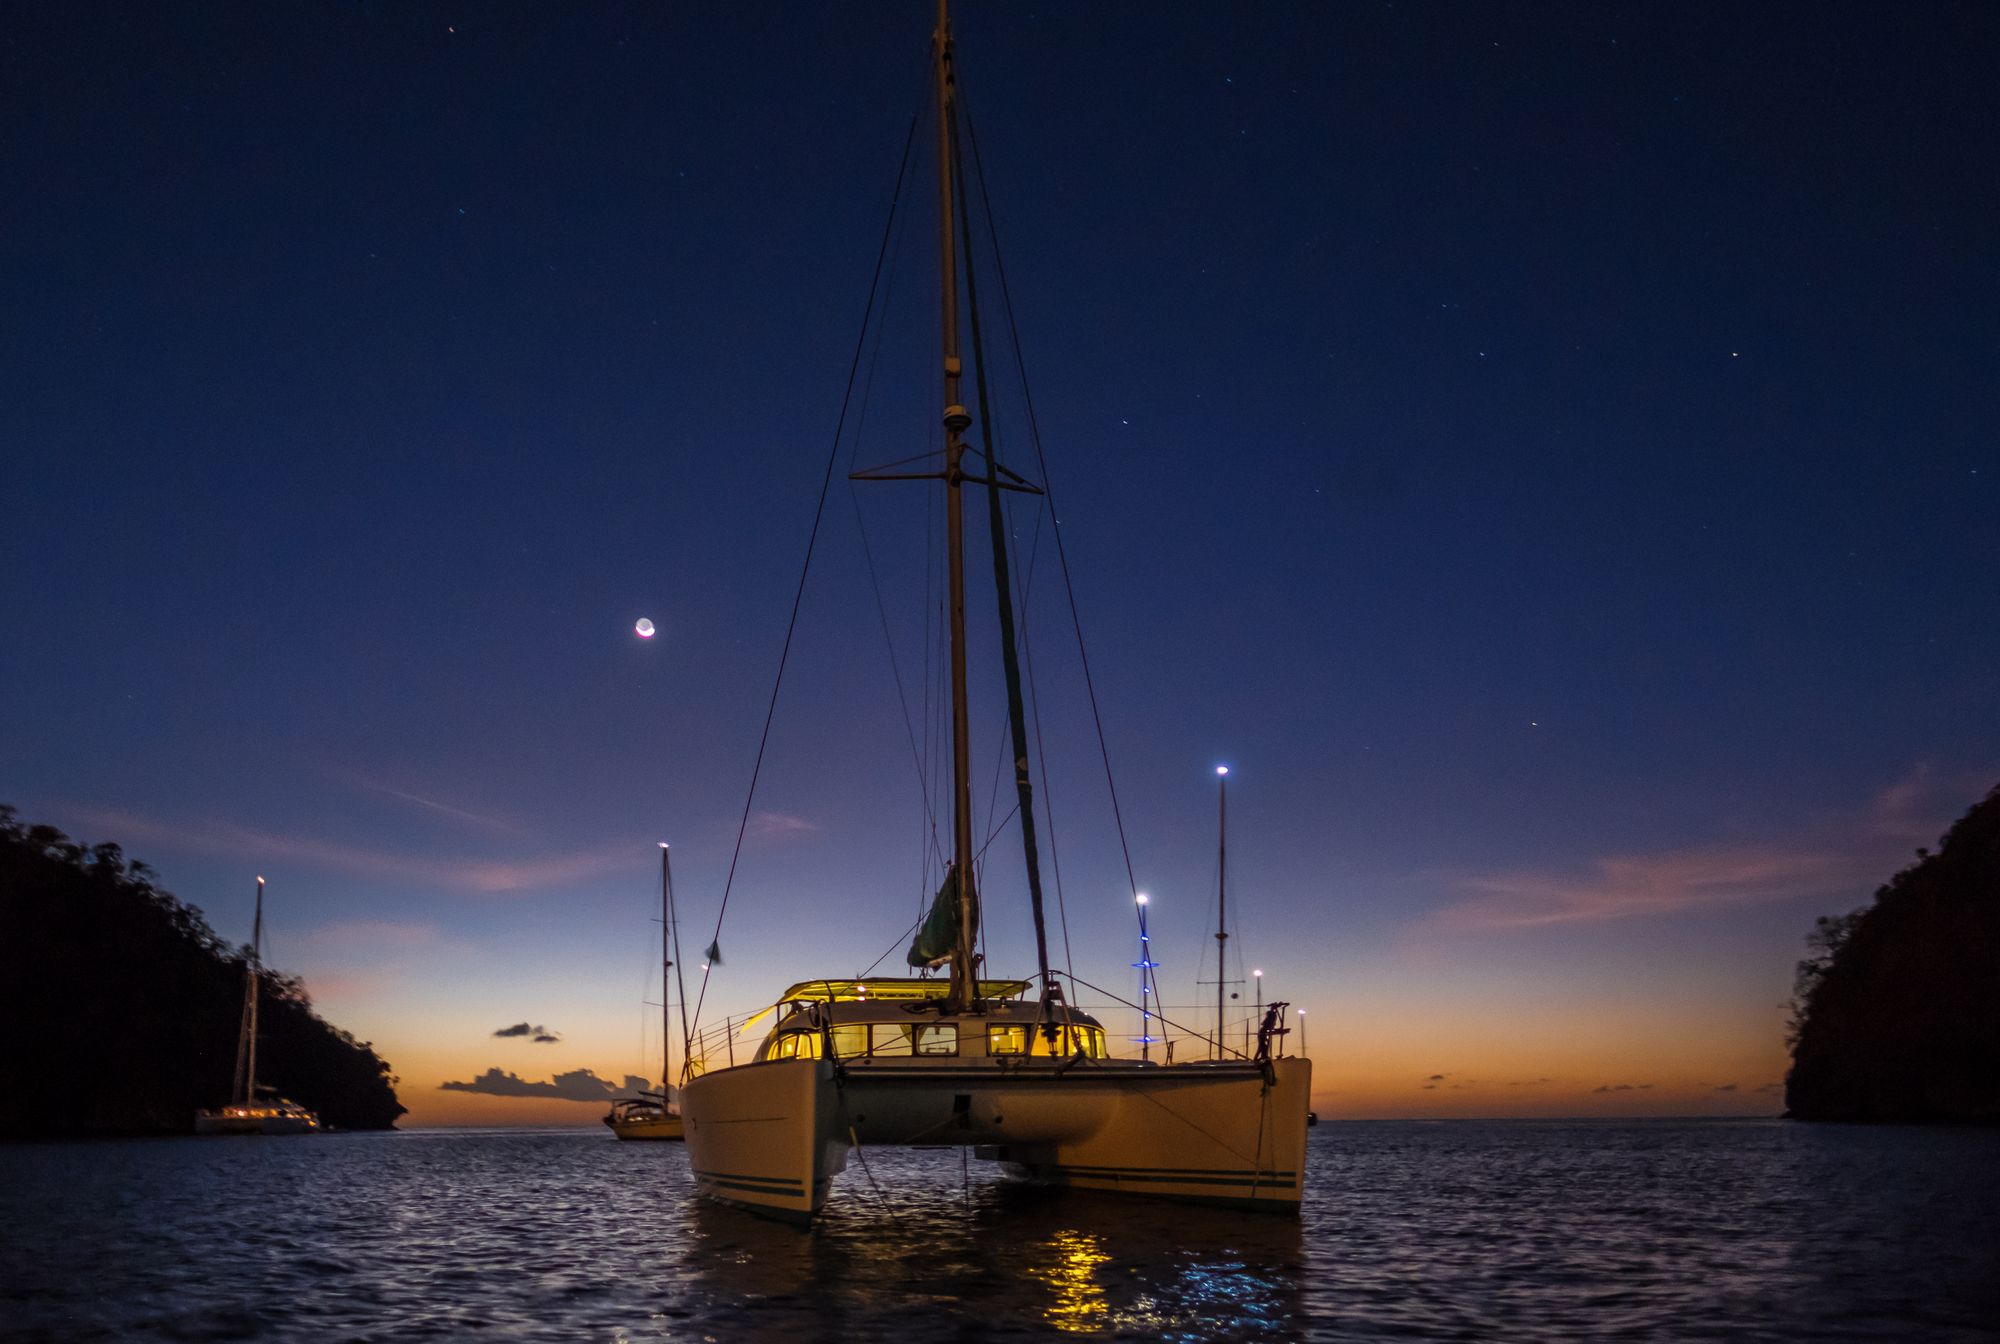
(772, 1135)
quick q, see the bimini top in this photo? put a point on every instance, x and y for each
(892, 990)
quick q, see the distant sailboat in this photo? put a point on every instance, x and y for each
(250, 1112)
(652, 1115)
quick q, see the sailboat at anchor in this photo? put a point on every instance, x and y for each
(1019, 1078)
(254, 1109)
(652, 1115)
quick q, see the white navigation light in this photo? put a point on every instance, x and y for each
(1221, 769)
(1142, 898)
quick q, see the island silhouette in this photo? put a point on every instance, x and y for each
(1896, 1011)
(123, 1005)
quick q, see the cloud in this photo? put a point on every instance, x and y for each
(1918, 808)
(1767, 1087)
(576, 1085)
(369, 934)
(461, 873)
(484, 823)
(1621, 1087)
(1843, 855)
(779, 825)
(1642, 885)
(1530, 1082)
(539, 1034)
(1437, 1077)
(1727, 1087)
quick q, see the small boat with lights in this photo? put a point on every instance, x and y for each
(255, 1109)
(1005, 1067)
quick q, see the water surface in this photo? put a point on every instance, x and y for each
(1652, 1230)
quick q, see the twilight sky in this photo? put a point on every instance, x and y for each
(1546, 451)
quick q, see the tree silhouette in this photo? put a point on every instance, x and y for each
(1896, 1011)
(120, 1005)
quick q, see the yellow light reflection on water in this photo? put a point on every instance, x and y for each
(1071, 1262)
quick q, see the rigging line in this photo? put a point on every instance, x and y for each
(861, 528)
(1048, 490)
(812, 540)
(1048, 796)
(895, 670)
(1158, 1011)
(855, 456)
(680, 980)
(907, 933)
(1010, 651)
(999, 829)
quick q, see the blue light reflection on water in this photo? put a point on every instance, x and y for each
(1465, 1230)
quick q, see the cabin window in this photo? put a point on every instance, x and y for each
(1093, 1042)
(850, 1040)
(941, 1039)
(795, 1044)
(891, 1039)
(1006, 1040)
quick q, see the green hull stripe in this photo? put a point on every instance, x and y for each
(774, 1185)
(755, 1189)
(1262, 1180)
(1179, 1171)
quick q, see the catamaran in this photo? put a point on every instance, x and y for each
(255, 1110)
(1006, 1067)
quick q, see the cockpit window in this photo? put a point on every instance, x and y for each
(891, 1039)
(939, 1038)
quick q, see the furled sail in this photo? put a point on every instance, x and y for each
(937, 936)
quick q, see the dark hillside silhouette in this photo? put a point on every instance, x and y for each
(1896, 1015)
(120, 1005)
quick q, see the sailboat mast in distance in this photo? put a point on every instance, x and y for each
(244, 1114)
(246, 1037)
(1221, 897)
(667, 965)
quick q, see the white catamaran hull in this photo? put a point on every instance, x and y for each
(770, 1136)
(763, 1135)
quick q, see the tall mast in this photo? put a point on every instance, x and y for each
(667, 880)
(246, 1041)
(1221, 895)
(667, 965)
(964, 980)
